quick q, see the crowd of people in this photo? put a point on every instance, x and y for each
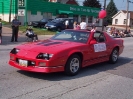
(83, 26)
(119, 33)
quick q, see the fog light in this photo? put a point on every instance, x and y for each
(42, 64)
(33, 63)
(12, 58)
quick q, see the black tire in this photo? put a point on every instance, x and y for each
(114, 56)
(73, 65)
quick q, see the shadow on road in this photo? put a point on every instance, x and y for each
(87, 71)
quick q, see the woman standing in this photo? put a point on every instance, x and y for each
(75, 25)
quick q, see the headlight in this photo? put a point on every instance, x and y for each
(15, 51)
(53, 26)
(44, 56)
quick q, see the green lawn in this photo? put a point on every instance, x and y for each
(38, 31)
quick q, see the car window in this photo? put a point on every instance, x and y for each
(99, 36)
(73, 36)
(56, 20)
(44, 20)
(71, 21)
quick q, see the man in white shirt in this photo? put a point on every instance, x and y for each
(83, 25)
(66, 24)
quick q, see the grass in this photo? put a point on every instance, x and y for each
(38, 31)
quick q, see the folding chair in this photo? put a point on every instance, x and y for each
(28, 38)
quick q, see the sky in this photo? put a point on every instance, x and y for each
(120, 4)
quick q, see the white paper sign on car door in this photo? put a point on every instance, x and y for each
(100, 47)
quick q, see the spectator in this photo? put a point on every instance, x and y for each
(74, 25)
(122, 33)
(83, 25)
(93, 29)
(31, 34)
(117, 33)
(129, 33)
(15, 29)
(93, 25)
(67, 24)
(78, 26)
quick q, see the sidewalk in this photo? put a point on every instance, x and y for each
(7, 33)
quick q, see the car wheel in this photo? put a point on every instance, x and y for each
(73, 65)
(114, 56)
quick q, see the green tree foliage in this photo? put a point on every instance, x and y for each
(111, 11)
(92, 3)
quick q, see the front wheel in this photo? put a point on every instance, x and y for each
(73, 65)
(114, 56)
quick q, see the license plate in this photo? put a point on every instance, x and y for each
(23, 62)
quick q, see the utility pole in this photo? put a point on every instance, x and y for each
(104, 8)
(10, 11)
(127, 14)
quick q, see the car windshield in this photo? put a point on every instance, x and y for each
(72, 35)
(57, 20)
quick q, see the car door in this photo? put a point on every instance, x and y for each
(99, 50)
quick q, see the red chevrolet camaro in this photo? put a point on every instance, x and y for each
(67, 51)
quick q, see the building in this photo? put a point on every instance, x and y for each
(73, 2)
(120, 18)
(35, 10)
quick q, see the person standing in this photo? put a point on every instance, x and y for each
(67, 24)
(15, 29)
(83, 25)
(0, 31)
(75, 25)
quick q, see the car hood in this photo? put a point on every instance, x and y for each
(49, 46)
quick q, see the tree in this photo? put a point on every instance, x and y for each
(92, 3)
(111, 11)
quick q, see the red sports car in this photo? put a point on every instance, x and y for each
(67, 51)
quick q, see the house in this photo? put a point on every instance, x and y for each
(119, 19)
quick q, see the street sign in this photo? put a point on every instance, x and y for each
(21, 3)
(21, 12)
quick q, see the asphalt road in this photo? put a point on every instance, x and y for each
(101, 81)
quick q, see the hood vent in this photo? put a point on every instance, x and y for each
(52, 43)
(48, 43)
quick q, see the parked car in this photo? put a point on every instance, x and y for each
(58, 24)
(67, 51)
(40, 23)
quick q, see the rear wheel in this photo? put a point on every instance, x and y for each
(73, 65)
(114, 56)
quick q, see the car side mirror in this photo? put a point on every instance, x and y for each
(93, 41)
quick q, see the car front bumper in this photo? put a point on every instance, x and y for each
(43, 69)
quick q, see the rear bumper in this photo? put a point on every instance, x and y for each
(46, 69)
